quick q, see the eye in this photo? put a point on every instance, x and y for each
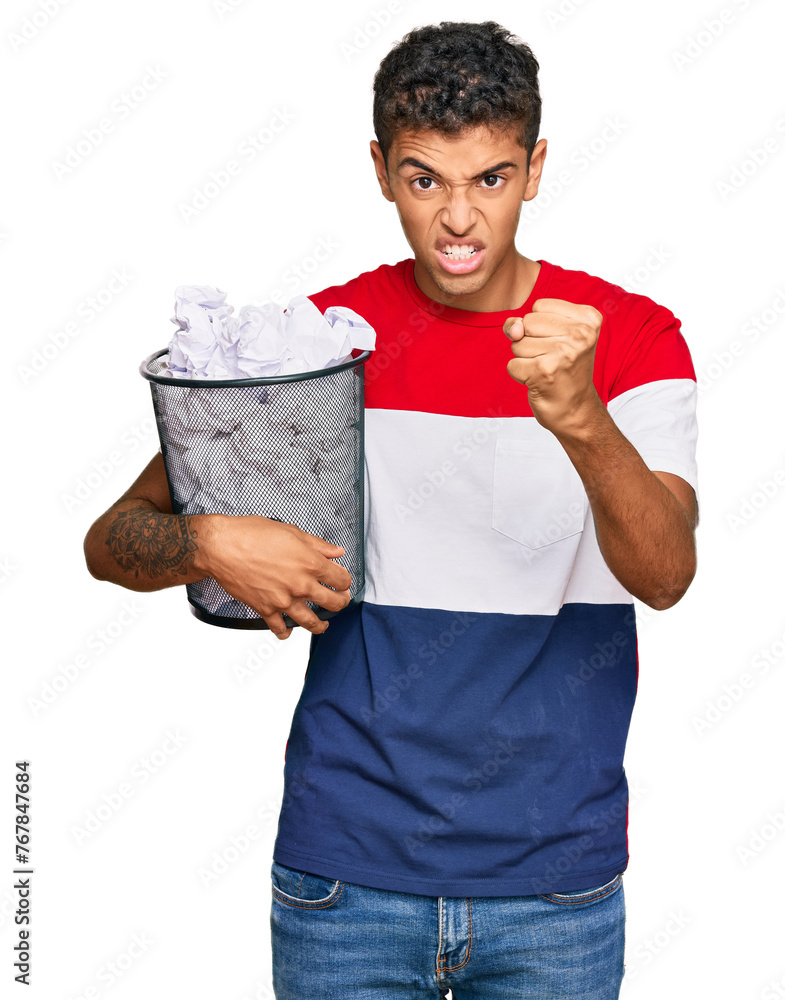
(428, 181)
(494, 178)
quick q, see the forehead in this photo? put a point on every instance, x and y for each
(463, 154)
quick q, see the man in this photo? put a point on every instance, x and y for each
(455, 800)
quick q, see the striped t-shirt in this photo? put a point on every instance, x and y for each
(461, 731)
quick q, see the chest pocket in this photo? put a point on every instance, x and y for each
(538, 496)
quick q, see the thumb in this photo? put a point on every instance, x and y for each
(515, 329)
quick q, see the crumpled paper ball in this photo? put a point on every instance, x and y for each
(260, 341)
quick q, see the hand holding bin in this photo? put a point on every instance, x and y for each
(289, 447)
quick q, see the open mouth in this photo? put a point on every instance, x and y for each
(457, 259)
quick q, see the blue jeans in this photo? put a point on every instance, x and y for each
(337, 940)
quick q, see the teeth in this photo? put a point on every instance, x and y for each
(458, 252)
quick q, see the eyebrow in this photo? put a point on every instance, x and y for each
(409, 161)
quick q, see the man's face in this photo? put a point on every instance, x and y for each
(459, 201)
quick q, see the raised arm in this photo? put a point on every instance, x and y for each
(139, 543)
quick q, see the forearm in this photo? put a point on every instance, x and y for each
(138, 546)
(644, 533)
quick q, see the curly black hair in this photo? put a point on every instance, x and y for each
(457, 75)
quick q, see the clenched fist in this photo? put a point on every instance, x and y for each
(554, 357)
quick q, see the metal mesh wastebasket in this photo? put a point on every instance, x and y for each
(288, 447)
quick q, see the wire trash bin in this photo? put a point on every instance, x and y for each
(288, 447)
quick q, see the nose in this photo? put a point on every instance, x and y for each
(458, 215)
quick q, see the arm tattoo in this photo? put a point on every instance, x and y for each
(146, 540)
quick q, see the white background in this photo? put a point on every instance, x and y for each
(695, 94)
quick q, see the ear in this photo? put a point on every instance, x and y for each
(381, 170)
(535, 169)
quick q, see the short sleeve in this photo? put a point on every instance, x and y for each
(654, 398)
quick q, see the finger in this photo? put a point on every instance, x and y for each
(329, 549)
(513, 327)
(335, 575)
(330, 598)
(300, 612)
(541, 325)
(578, 312)
(533, 347)
(559, 306)
(521, 370)
(545, 325)
(277, 625)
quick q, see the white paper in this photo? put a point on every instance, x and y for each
(260, 341)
